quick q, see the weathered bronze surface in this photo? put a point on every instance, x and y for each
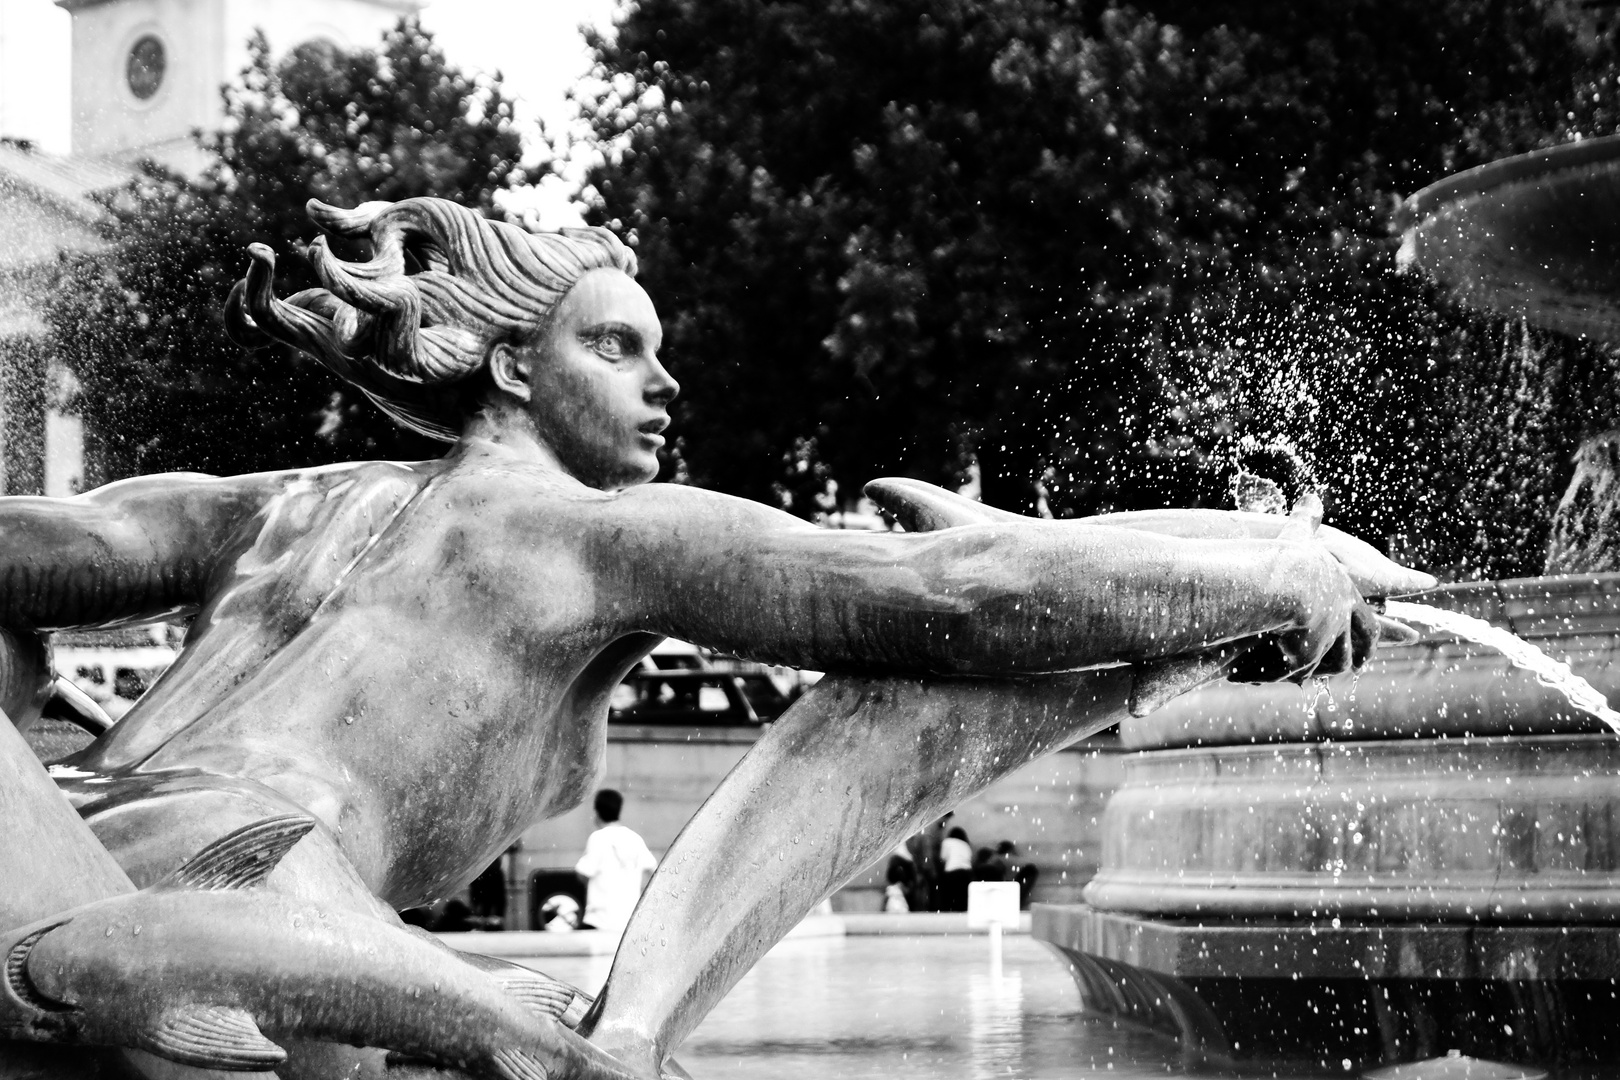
(418, 656)
(199, 968)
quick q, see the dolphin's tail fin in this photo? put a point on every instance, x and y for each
(244, 858)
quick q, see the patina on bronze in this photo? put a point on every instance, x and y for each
(419, 656)
(241, 961)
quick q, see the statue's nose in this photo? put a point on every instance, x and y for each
(661, 386)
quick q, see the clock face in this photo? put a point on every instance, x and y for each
(144, 68)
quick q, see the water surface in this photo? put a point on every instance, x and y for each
(904, 1008)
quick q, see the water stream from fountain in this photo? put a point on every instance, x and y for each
(1259, 494)
(1548, 672)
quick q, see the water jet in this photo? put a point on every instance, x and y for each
(1427, 856)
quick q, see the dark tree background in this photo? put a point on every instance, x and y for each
(1092, 250)
(1093, 247)
(161, 386)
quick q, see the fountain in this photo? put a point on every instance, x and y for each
(394, 668)
(1424, 857)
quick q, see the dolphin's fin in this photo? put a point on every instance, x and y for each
(212, 1037)
(544, 995)
(514, 1064)
(243, 858)
(921, 507)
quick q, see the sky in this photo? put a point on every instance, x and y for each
(536, 45)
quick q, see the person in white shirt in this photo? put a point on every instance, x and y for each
(615, 867)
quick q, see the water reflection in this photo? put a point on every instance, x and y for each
(899, 1008)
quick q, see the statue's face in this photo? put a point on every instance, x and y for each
(599, 393)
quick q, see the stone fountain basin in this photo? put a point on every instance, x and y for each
(1425, 859)
(1519, 829)
(1441, 784)
(1536, 236)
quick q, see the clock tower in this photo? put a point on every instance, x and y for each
(147, 73)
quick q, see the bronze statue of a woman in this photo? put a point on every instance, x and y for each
(418, 656)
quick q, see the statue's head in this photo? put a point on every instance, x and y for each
(456, 315)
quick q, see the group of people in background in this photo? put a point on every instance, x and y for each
(932, 870)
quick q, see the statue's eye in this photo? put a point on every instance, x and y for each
(609, 344)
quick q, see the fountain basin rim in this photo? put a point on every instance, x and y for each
(1303, 898)
(1144, 760)
(1482, 179)
(1213, 948)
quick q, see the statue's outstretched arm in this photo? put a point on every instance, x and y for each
(134, 550)
(921, 507)
(999, 597)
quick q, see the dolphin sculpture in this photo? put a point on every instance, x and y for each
(200, 967)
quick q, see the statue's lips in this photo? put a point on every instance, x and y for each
(651, 429)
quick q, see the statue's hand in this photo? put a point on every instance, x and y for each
(1376, 578)
(1330, 577)
(1333, 628)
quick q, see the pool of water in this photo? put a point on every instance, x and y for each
(904, 1008)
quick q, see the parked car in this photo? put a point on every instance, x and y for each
(696, 696)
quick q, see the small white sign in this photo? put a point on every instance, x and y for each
(992, 902)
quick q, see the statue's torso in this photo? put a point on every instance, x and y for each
(385, 646)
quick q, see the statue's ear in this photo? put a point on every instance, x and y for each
(511, 370)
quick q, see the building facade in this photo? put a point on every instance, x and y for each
(146, 76)
(147, 73)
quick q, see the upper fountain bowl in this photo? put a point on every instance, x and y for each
(1535, 236)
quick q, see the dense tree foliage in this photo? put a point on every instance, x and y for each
(1092, 247)
(161, 386)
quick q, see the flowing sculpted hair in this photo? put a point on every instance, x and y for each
(411, 325)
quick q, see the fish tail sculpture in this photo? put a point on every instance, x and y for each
(206, 967)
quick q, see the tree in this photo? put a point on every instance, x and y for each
(161, 386)
(900, 235)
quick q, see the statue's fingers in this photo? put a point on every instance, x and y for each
(1365, 634)
(1339, 658)
(1393, 632)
